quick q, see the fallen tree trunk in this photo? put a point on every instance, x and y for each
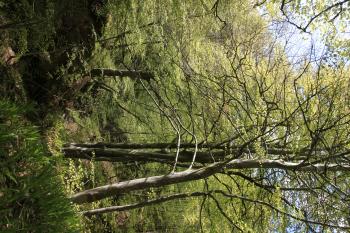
(270, 149)
(118, 152)
(20, 24)
(143, 145)
(120, 155)
(135, 74)
(201, 173)
(101, 192)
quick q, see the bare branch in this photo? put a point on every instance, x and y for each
(281, 211)
(142, 204)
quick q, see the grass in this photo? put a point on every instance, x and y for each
(32, 197)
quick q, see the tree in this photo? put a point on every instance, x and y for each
(326, 22)
(260, 134)
(306, 15)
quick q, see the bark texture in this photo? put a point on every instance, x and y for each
(131, 152)
(195, 174)
(101, 192)
(122, 155)
(135, 74)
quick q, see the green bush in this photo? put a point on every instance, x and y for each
(31, 193)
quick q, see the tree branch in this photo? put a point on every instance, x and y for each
(205, 194)
(195, 174)
(142, 204)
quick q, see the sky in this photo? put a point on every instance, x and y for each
(301, 45)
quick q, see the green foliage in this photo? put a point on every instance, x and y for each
(38, 15)
(227, 77)
(151, 36)
(32, 196)
(216, 71)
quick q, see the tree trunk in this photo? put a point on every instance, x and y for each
(20, 24)
(120, 155)
(134, 74)
(102, 192)
(143, 145)
(117, 152)
(190, 175)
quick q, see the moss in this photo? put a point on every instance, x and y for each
(19, 41)
(11, 84)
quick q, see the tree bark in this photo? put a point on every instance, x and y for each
(285, 165)
(134, 74)
(142, 204)
(20, 24)
(101, 192)
(143, 145)
(201, 173)
(120, 155)
(118, 152)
